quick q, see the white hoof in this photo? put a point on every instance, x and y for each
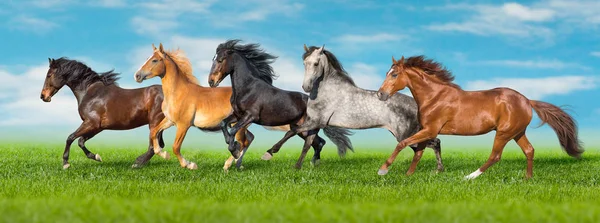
(135, 165)
(473, 175)
(192, 166)
(315, 162)
(66, 166)
(266, 156)
(241, 168)
(98, 158)
(165, 155)
(382, 172)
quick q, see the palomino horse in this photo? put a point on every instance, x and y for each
(336, 101)
(444, 108)
(103, 105)
(187, 103)
(256, 100)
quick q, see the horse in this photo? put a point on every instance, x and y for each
(336, 101)
(444, 108)
(102, 104)
(256, 100)
(186, 103)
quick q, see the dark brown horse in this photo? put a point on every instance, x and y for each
(444, 108)
(103, 105)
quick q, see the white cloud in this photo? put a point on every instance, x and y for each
(32, 24)
(143, 25)
(365, 76)
(541, 64)
(538, 88)
(595, 53)
(20, 103)
(110, 3)
(525, 13)
(379, 37)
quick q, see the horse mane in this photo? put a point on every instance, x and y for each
(78, 72)
(183, 64)
(333, 62)
(431, 67)
(257, 57)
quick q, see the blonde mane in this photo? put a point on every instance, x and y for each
(183, 63)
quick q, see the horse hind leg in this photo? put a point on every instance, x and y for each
(145, 157)
(528, 150)
(499, 142)
(307, 144)
(269, 154)
(156, 144)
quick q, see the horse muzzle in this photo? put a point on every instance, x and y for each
(383, 96)
(140, 76)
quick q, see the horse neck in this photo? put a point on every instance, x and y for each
(242, 76)
(333, 78)
(172, 80)
(423, 88)
(79, 89)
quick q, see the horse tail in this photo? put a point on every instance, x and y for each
(563, 125)
(339, 136)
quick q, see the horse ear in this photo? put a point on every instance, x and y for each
(305, 48)
(401, 60)
(320, 50)
(153, 47)
(49, 60)
(394, 60)
(160, 48)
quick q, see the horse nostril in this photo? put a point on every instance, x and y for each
(211, 82)
(41, 96)
(379, 94)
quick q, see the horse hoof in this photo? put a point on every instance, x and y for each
(382, 172)
(135, 166)
(266, 156)
(439, 170)
(315, 162)
(165, 155)
(192, 166)
(98, 158)
(298, 166)
(225, 170)
(66, 166)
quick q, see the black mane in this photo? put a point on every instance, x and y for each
(255, 55)
(333, 62)
(77, 73)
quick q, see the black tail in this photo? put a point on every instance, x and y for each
(339, 136)
(161, 142)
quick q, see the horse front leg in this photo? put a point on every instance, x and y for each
(423, 135)
(226, 123)
(234, 147)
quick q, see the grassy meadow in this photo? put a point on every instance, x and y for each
(35, 188)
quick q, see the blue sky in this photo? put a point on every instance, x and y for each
(548, 50)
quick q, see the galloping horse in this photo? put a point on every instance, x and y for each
(444, 108)
(256, 100)
(104, 105)
(336, 101)
(186, 103)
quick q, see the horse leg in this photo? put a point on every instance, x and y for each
(416, 157)
(499, 143)
(234, 147)
(317, 145)
(246, 137)
(269, 154)
(422, 135)
(87, 152)
(436, 145)
(307, 143)
(224, 124)
(179, 136)
(145, 157)
(84, 128)
(527, 148)
(164, 124)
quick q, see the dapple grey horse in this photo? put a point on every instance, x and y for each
(336, 101)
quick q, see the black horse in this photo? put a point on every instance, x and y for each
(103, 105)
(256, 100)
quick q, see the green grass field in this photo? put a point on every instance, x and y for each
(34, 188)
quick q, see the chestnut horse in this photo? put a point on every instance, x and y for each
(103, 105)
(186, 103)
(444, 108)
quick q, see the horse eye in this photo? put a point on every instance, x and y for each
(154, 61)
(316, 64)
